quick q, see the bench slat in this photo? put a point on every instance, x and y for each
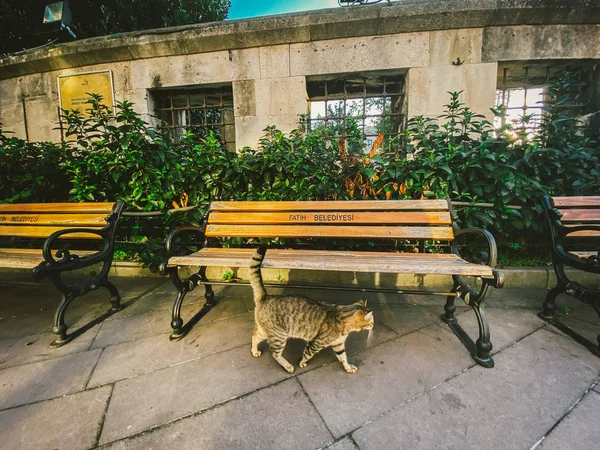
(561, 202)
(66, 220)
(586, 233)
(311, 231)
(308, 260)
(294, 253)
(580, 215)
(343, 205)
(59, 208)
(15, 258)
(582, 255)
(342, 217)
(34, 231)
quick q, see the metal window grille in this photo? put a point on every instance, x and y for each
(521, 93)
(521, 90)
(198, 111)
(359, 108)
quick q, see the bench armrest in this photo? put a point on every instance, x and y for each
(169, 242)
(172, 250)
(492, 253)
(65, 261)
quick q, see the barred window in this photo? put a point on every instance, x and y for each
(198, 111)
(358, 107)
(521, 90)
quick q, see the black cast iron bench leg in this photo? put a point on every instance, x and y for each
(183, 286)
(481, 349)
(585, 295)
(71, 292)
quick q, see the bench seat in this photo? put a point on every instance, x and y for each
(20, 258)
(583, 256)
(343, 261)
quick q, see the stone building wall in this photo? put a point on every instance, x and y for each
(439, 46)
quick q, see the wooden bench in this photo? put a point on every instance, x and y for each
(571, 221)
(57, 224)
(420, 220)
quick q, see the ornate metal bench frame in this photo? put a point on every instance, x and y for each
(54, 266)
(560, 259)
(475, 298)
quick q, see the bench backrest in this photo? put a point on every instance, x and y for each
(578, 211)
(40, 220)
(385, 219)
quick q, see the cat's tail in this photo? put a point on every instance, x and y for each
(256, 281)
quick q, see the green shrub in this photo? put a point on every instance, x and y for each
(458, 155)
(31, 172)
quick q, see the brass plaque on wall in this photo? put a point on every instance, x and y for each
(73, 89)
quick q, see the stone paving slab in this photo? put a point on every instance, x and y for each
(157, 352)
(78, 314)
(273, 424)
(533, 384)
(506, 325)
(514, 298)
(226, 307)
(407, 318)
(148, 400)
(46, 379)
(69, 422)
(580, 430)
(186, 394)
(388, 375)
(33, 348)
(167, 288)
(343, 444)
(138, 326)
(20, 318)
(582, 319)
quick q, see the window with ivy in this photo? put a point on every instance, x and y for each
(197, 111)
(358, 107)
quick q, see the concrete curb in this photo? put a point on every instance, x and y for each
(516, 277)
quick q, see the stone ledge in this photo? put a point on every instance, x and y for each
(405, 17)
(516, 277)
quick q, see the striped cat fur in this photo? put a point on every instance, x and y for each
(278, 318)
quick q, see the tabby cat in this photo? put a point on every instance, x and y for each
(278, 318)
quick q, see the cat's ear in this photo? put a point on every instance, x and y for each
(362, 302)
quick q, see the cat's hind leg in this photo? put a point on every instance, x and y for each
(277, 344)
(340, 352)
(257, 337)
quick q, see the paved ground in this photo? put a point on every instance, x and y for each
(123, 385)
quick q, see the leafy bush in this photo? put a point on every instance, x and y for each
(30, 172)
(458, 155)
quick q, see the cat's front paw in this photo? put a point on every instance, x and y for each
(289, 368)
(256, 353)
(302, 364)
(350, 368)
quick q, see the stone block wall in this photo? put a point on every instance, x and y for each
(438, 47)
